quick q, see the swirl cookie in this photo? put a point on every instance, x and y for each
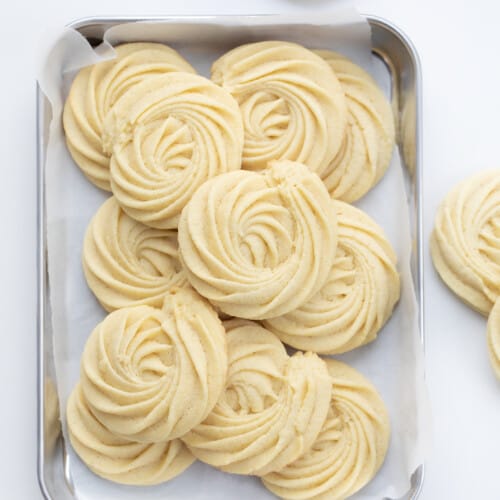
(358, 297)
(94, 92)
(350, 448)
(118, 459)
(465, 243)
(127, 263)
(256, 244)
(151, 375)
(292, 104)
(494, 337)
(368, 142)
(168, 135)
(272, 409)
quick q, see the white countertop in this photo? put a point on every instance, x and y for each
(458, 46)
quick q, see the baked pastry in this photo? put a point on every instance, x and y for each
(350, 448)
(369, 137)
(118, 459)
(257, 244)
(465, 243)
(127, 263)
(292, 104)
(494, 337)
(272, 409)
(168, 135)
(94, 92)
(358, 296)
(151, 375)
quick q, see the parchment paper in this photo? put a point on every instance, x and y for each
(394, 362)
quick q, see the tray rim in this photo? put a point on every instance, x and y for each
(419, 473)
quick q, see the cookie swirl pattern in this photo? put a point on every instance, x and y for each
(292, 104)
(358, 296)
(256, 244)
(117, 459)
(369, 137)
(150, 375)
(168, 135)
(94, 92)
(127, 263)
(465, 243)
(350, 448)
(272, 409)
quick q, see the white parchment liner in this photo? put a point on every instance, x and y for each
(394, 362)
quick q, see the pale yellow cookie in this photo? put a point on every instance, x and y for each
(118, 459)
(272, 409)
(350, 448)
(369, 139)
(465, 243)
(292, 104)
(358, 296)
(494, 337)
(97, 88)
(127, 263)
(168, 135)
(257, 244)
(151, 375)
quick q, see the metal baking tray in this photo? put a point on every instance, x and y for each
(399, 55)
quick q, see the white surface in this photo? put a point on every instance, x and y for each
(458, 45)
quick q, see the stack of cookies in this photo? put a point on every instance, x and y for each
(229, 233)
